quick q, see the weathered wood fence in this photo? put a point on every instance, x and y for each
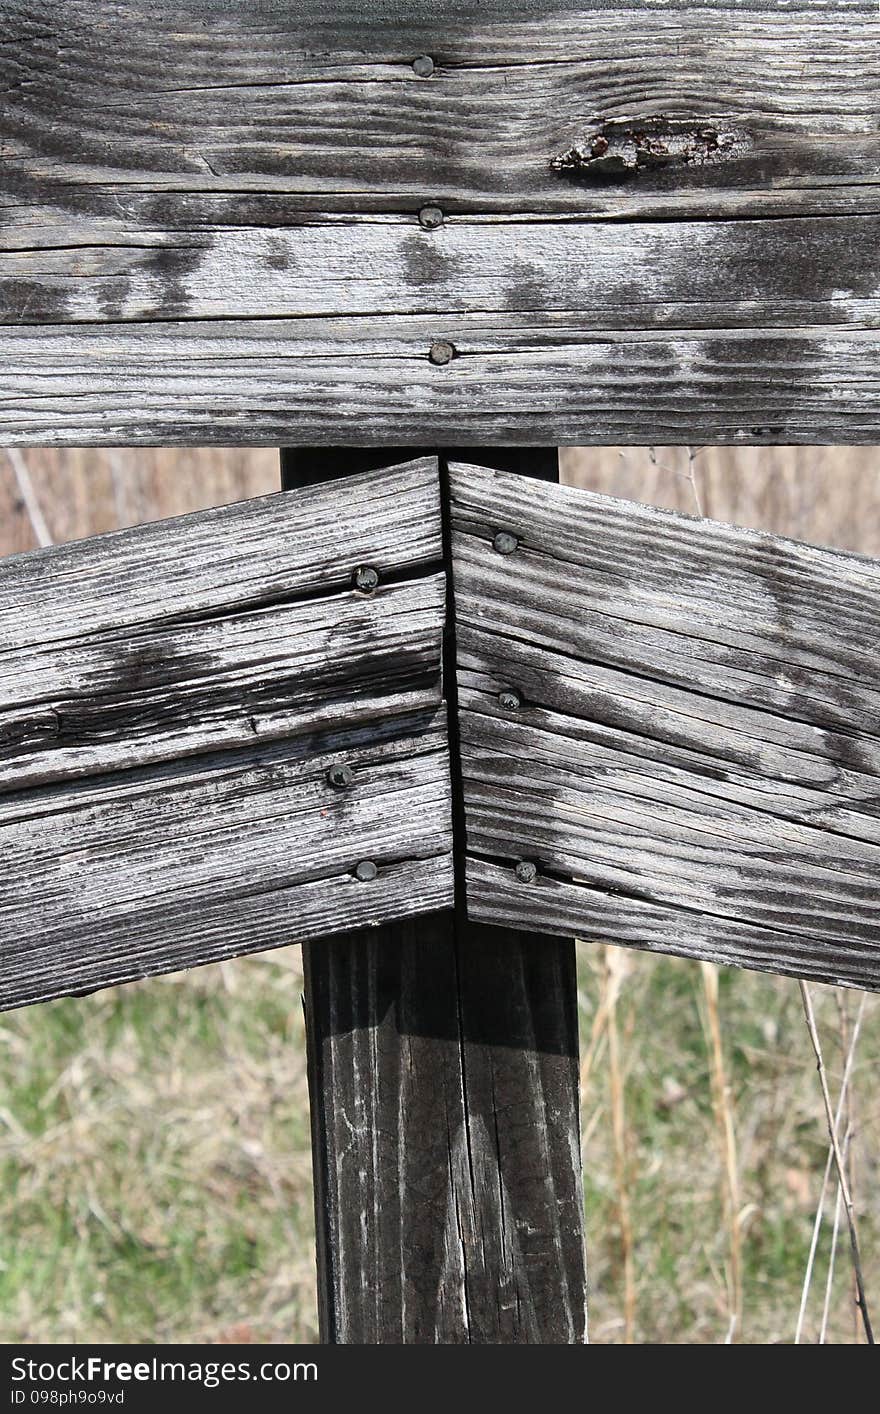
(439, 221)
(217, 732)
(229, 732)
(428, 713)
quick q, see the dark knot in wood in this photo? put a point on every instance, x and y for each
(621, 148)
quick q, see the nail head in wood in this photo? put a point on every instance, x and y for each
(366, 578)
(441, 351)
(526, 871)
(366, 871)
(430, 217)
(505, 543)
(510, 700)
(423, 67)
(340, 776)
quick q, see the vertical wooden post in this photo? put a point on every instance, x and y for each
(443, 1075)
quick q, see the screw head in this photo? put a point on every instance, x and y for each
(430, 217)
(366, 578)
(423, 67)
(510, 700)
(505, 543)
(441, 351)
(526, 871)
(366, 871)
(340, 776)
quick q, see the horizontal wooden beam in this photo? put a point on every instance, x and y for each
(633, 278)
(668, 731)
(513, 378)
(227, 115)
(202, 724)
(439, 224)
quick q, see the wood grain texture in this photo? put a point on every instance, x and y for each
(694, 762)
(171, 701)
(443, 1076)
(156, 870)
(302, 107)
(660, 225)
(515, 378)
(444, 1086)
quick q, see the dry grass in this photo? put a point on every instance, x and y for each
(154, 1165)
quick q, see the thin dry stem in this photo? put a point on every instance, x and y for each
(835, 1233)
(621, 1162)
(817, 1221)
(723, 1106)
(849, 1126)
(42, 533)
(861, 1299)
(612, 982)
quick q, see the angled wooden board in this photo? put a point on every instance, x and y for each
(172, 699)
(676, 722)
(656, 224)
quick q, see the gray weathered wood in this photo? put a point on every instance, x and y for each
(517, 378)
(660, 225)
(633, 277)
(255, 116)
(157, 691)
(444, 1083)
(219, 629)
(694, 764)
(443, 1078)
(152, 871)
(171, 700)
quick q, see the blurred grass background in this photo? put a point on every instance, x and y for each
(155, 1178)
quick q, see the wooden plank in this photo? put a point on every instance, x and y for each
(245, 557)
(155, 870)
(221, 628)
(653, 227)
(198, 112)
(444, 1084)
(690, 757)
(154, 692)
(636, 276)
(173, 700)
(514, 377)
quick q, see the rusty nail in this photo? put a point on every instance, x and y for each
(340, 776)
(599, 146)
(430, 217)
(526, 871)
(366, 871)
(366, 578)
(505, 543)
(423, 66)
(441, 351)
(510, 700)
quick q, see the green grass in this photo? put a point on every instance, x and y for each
(154, 1162)
(155, 1173)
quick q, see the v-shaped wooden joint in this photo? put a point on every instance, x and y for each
(228, 732)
